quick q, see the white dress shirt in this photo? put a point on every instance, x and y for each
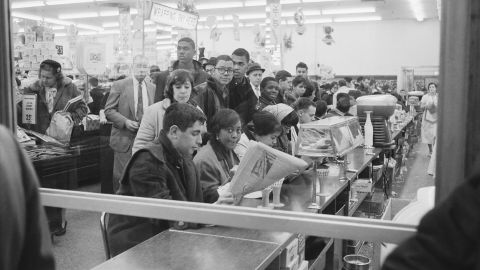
(144, 95)
(255, 90)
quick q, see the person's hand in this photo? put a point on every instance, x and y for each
(233, 170)
(225, 195)
(132, 125)
(103, 118)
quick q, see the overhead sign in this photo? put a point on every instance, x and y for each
(91, 58)
(170, 16)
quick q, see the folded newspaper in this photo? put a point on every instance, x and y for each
(261, 167)
(72, 104)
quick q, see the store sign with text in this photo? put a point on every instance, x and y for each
(29, 109)
(170, 16)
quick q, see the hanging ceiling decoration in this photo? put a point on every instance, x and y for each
(328, 39)
(299, 18)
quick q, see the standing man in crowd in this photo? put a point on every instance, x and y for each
(255, 74)
(126, 103)
(342, 89)
(242, 98)
(342, 108)
(302, 70)
(305, 109)
(185, 52)
(214, 94)
(284, 79)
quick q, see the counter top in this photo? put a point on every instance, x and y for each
(186, 250)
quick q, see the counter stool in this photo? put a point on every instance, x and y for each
(103, 226)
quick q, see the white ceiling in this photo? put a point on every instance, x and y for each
(250, 12)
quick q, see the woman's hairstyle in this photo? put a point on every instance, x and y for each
(309, 89)
(55, 68)
(265, 123)
(290, 120)
(224, 118)
(298, 80)
(178, 76)
(265, 81)
(428, 86)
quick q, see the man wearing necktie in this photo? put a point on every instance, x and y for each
(124, 108)
(255, 74)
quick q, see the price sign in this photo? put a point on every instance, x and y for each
(29, 109)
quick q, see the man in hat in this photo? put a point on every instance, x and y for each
(255, 73)
(209, 67)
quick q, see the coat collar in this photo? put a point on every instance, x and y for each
(163, 150)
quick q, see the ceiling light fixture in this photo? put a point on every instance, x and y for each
(219, 5)
(78, 15)
(66, 2)
(30, 4)
(417, 9)
(318, 1)
(348, 10)
(53, 21)
(285, 2)
(358, 19)
(255, 3)
(60, 34)
(164, 37)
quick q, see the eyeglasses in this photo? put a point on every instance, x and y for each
(223, 70)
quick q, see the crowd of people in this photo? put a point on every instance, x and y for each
(179, 134)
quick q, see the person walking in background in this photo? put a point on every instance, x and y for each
(429, 120)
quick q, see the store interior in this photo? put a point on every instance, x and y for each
(395, 43)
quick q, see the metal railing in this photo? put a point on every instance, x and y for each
(233, 216)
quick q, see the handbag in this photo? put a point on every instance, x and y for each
(61, 127)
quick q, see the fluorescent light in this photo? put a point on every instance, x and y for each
(91, 27)
(87, 33)
(60, 34)
(116, 24)
(21, 30)
(58, 27)
(165, 47)
(225, 25)
(78, 15)
(417, 9)
(348, 10)
(109, 13)
(164, 42)
(305, 12)
(289, 1)
(255, 3)
(66, 2)
(358, 19)
(164, 37)
(27, 4)
(219, 5)
(26, 16)
(251, 16)
(321, 20)
(318, 1)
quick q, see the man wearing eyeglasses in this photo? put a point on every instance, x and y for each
(214, 94)
(242, 97)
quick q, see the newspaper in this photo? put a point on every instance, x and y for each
(261, 167)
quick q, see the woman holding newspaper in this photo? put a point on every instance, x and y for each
(53, 93)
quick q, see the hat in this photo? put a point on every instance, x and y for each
(253, 67)
(280, 110)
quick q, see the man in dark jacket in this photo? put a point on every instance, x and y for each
(242, 98)
(24, 238)
(448, 236)
(164, 170)
(185, 53)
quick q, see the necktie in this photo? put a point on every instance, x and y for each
(257, 91)
(139, 103)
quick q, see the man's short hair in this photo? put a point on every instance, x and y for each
(359, 79)
(355, 94)
(303, 103)
(342, 95)
(309, 89)
(188, 40)
(223, 57)
(242, 52)
(342, 83)
(182, 115)
(301, 65)
(348, 79)
(298, 80)
(321, 108)
(93, 81)
(282, 75)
